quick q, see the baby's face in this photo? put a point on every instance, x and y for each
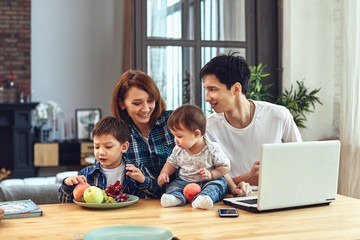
(108, 151)
(184, 138)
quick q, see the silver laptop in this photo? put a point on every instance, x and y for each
(294, 175)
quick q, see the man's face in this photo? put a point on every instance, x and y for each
(220, 98)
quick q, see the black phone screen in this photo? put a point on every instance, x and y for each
(228, 212)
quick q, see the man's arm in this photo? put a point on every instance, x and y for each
(239, 186)
(238, 190)
(251, 177)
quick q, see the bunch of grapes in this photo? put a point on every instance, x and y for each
(115, 192)
(108, 199)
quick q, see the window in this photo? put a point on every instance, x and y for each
(175, 38)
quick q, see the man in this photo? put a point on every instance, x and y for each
(240, 125)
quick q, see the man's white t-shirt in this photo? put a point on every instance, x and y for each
(271, 123)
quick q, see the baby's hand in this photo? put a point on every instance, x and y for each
(135, 173)
(205, 174)
(70, 181)
(163, 178)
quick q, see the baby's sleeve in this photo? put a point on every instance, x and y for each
(219, 157)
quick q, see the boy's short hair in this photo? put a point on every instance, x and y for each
(114, 126)
(190, 117)
(229, 69)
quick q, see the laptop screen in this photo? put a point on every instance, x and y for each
(299, 173)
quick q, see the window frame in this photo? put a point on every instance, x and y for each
(262, 43)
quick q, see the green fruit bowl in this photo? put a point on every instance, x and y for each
(129, 232)
(132, 199)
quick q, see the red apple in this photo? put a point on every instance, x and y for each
(191, 190)
(79, 191)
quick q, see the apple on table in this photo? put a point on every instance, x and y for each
(79, 191)
(93, 194)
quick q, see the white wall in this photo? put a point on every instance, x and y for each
(76, 55)
(308, 55)
(76, 49)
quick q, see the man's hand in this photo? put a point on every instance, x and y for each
(254, 173)
(242, 189)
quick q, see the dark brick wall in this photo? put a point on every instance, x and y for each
(15, 43)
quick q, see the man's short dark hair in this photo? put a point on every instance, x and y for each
(229, 69)
(114, 126)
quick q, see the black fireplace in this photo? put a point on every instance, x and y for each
(16, 136)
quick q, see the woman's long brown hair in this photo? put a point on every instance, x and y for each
(138, 79)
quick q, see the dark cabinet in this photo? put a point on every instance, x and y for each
(16, 138)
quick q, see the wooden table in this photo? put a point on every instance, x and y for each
(339, 220)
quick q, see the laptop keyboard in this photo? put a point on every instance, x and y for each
(249, 201)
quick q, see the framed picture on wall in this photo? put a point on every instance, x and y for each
(85, 122)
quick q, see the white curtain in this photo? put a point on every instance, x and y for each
(349, 182)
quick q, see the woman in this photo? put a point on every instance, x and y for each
(136, 100)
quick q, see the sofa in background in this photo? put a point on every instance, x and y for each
(41, 190)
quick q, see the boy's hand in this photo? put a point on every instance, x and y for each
(135, 173)
(163, 178)
(205, 174)
(70, 181)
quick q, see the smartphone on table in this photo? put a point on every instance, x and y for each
(228, 212)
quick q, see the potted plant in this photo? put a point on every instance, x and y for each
(299, 102)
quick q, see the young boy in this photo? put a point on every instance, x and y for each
(110, 137)
(199, 160)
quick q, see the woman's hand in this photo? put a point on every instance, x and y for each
(135, 173)
(70, 181)
(163, 178)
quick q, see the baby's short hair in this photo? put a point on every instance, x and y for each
(114, 126)
(190, 117)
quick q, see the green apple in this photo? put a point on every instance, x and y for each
(93, 194)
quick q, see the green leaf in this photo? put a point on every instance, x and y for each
(264, 75)
(300, 101)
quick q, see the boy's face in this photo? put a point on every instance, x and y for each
(139, 105)
(185, 138)
(108, 151)
(220, 98)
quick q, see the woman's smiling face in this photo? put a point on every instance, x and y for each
(139, 105)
